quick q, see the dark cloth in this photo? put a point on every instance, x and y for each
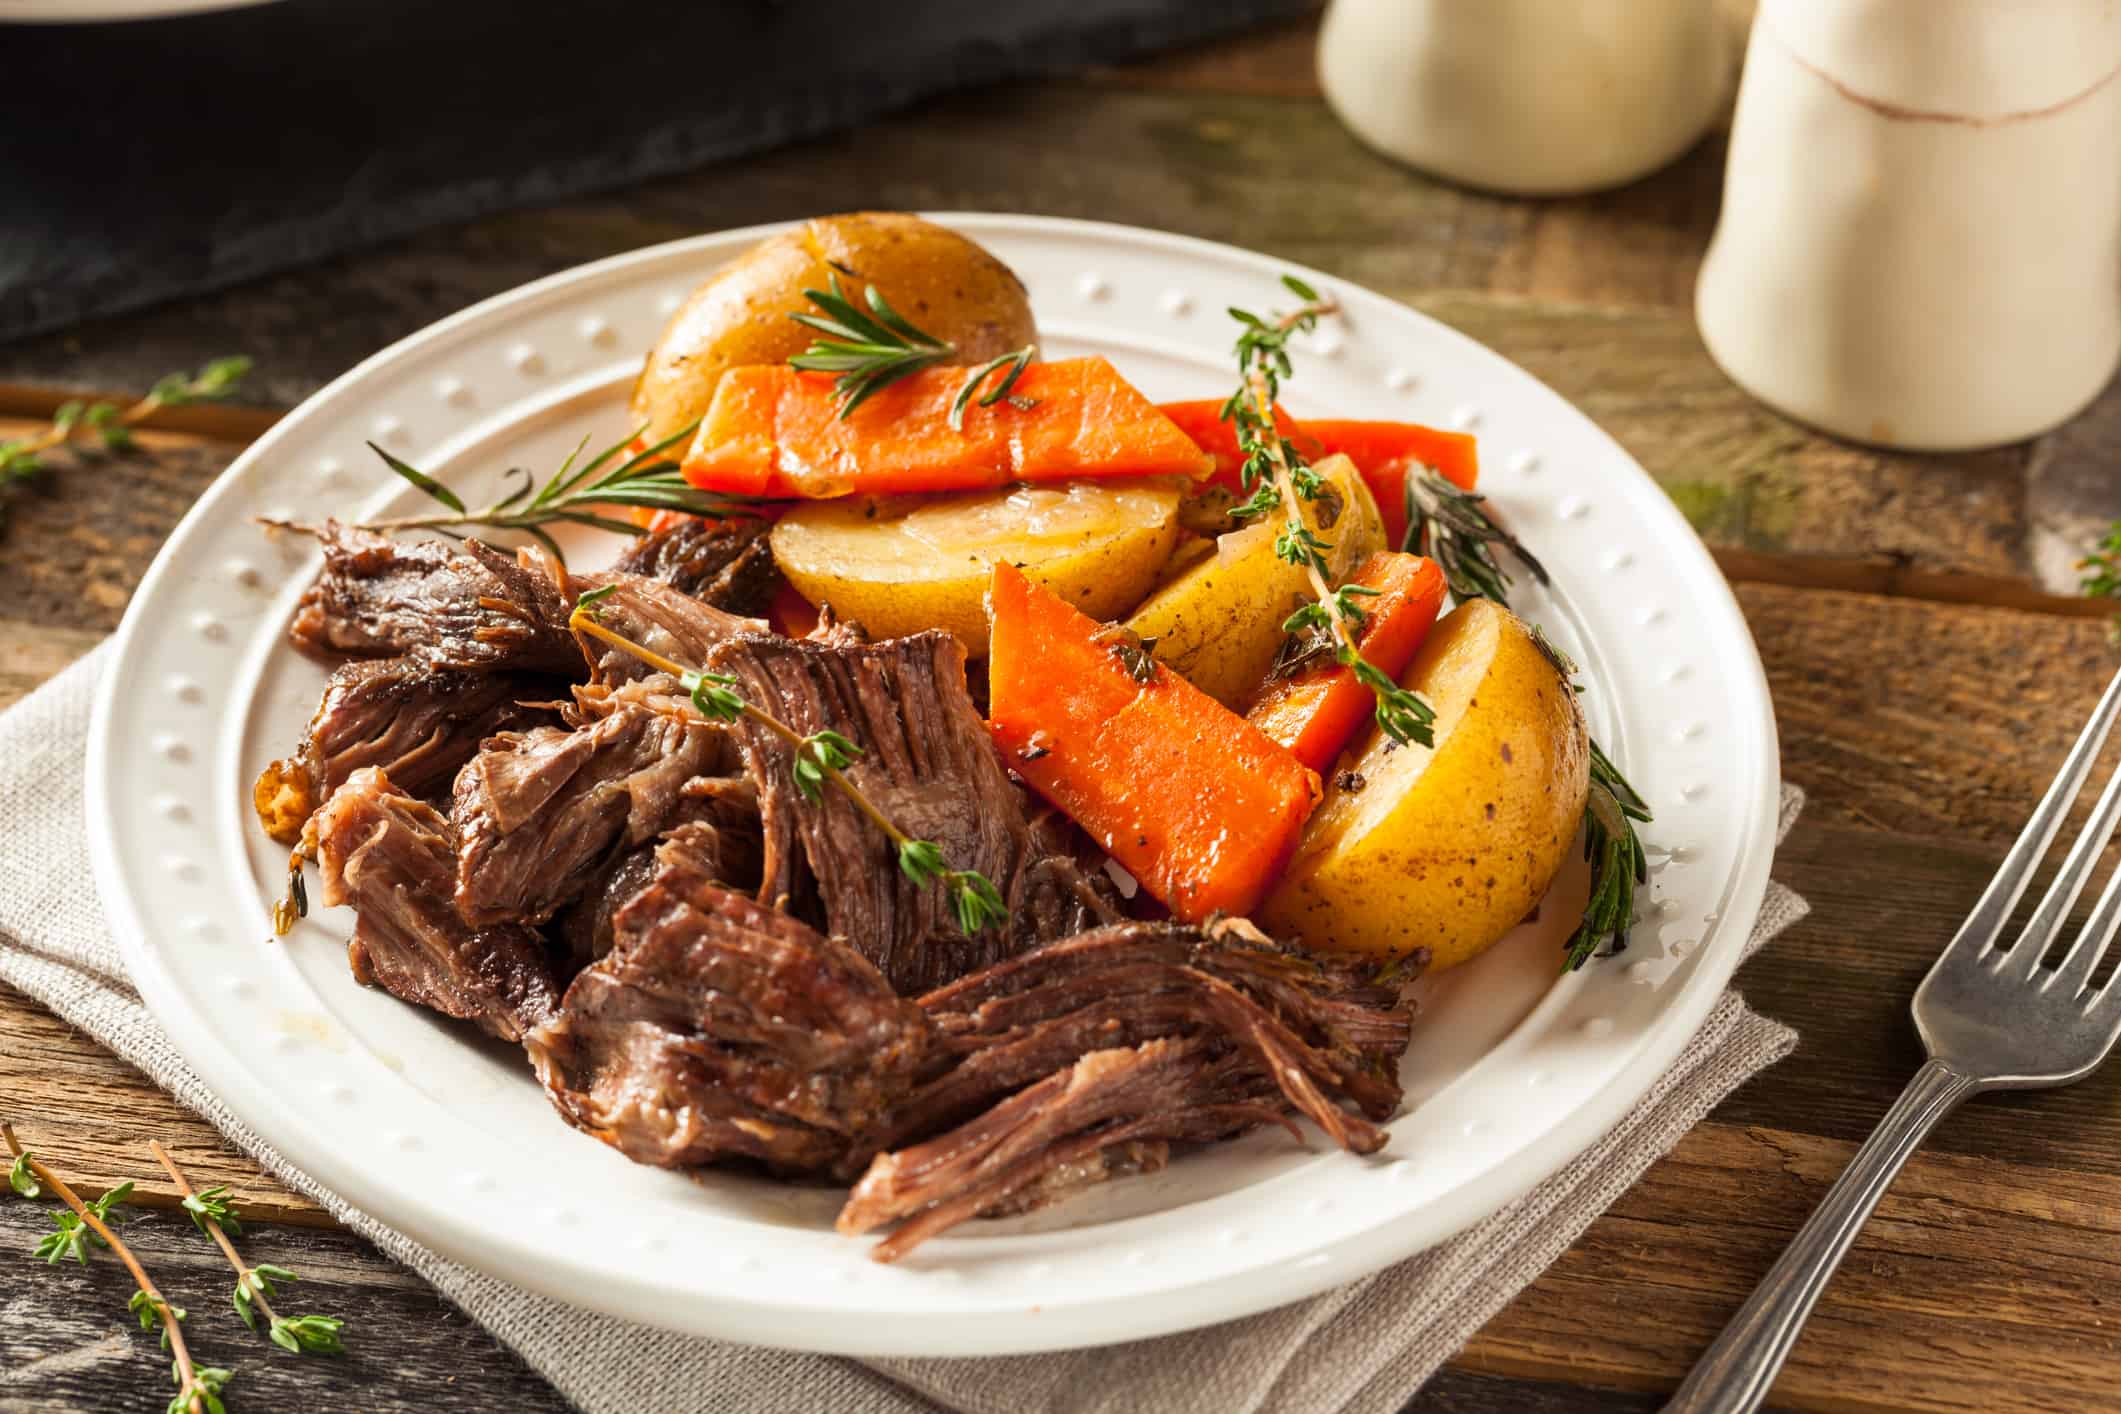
(146, 160)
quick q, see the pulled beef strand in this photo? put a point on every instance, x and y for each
(412, 720)
(387, 854)
(716, 817)
(1179, 1088)
(539, 813)
(1126, 1035)
(725, 563)
(928, 765)
(716, 1028)
(459, 605)
(658, 617)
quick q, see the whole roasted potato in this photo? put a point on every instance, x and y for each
(1447, 847)
(945, 284)
(1219, 624)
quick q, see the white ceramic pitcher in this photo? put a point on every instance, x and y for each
(1538, 97)
(1920, 243)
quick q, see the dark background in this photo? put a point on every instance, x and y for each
(145, 160)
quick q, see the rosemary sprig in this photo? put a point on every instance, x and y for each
(645, 479)
(1452, 527)
(873, 348)
(21, 458)
(198, 1387)
(1276, 475)
(213, 1214)
(821, 759)
(1617, 861)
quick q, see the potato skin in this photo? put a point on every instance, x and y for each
(1448, 847)
(1219, 624)
(900, 564)
(947, 285)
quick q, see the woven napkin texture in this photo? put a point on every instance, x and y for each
(1363, 1347)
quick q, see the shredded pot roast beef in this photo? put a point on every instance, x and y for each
(462, 605)
(717, 1028)
(389, 856)
(538, 813)
(724, 563)
(754, 978)
(929, 765)
(415, 722)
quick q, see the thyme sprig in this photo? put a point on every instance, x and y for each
(198, 1387)
(21, 458)
(1276, 476)
(821, 759)
(572, 495)
(213, 1214)
(871, 348)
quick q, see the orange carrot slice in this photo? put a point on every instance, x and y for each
(1195, 802)
(1316, 711)
(1382, 451)
(775, 431)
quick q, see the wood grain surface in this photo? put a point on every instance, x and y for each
(1928, 661)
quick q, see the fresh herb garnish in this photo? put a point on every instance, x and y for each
(646, 479)
(198, 1388)
(21, 458)
(2100, 573)
(1276, 476)
(213, 1214)
(821, 759)
(873, 348)
(1452, 527)
(1617, 861)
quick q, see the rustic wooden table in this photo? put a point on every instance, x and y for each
(1928, 666)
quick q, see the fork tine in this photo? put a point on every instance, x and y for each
(2075, 970)
(1982, 926)
(2070, 879)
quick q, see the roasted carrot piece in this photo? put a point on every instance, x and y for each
(1386, 451)
(1195, 802)
(1381, 451)
(774, 431)
(1202, 420)
(1316, 711)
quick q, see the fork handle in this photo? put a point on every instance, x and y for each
(1736, 1373)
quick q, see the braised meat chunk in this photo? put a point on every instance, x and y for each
(658, 617)
(927, 764)
(717, 818)
(727, 563)
(390, 856)
(538, 813)
(460, 605)
(413, 721)
(1075, 1060)
(719, 1029)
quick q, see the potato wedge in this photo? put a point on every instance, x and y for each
(900, 564)
(1447, 847)
(947, 285)
(1219, 624)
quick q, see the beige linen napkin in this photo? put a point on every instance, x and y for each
(1364, 1347)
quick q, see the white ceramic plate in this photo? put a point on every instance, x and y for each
(414, 1119)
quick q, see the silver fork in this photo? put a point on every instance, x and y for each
(1992, 1019)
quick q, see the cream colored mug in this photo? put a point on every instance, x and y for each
(1920, 242)
(1535, 97)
